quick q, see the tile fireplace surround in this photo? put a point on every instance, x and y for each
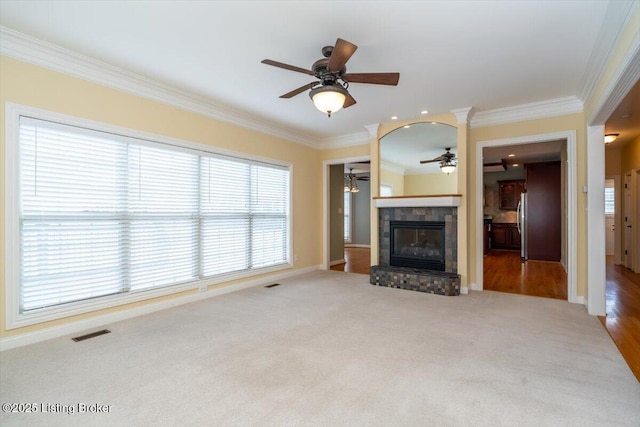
(407, 209)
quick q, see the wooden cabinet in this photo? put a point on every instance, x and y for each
(504, 236)
(487, 246)
(509, 194)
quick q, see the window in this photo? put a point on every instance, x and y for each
(609, 201)
(347, 216)
(104, 215)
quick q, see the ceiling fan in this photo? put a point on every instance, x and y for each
(350, 184)
(447, 161)
(352, 176)
(330, 93)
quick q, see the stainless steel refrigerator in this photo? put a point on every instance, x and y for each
(521, 222)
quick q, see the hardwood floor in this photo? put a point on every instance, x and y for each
(505, 272)
(623, 312)
(358, 260)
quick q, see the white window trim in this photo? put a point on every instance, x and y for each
(612, 214)
(390, 186)
(350, 237)
(15, 319)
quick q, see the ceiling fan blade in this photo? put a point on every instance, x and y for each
(341, 53)
(349, 101)
(390, 79)
(287, 67)
(299, 90)
(437, 159)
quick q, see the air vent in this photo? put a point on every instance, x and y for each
(91, 335)
(271, 286)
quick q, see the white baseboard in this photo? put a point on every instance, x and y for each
(336, 262)
(581, 300)
(350, 245)
(475, 287)
(105, 319)
(464, 291)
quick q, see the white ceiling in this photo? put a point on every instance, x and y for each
(485, 54)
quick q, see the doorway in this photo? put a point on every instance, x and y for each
(567, 266)
(333, 254)
(522, 215)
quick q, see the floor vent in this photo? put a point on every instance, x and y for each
(271, 286)
(91, 335)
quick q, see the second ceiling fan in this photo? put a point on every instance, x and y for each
(447, 161)
(330, 93)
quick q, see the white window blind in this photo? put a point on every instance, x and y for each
(103, 214)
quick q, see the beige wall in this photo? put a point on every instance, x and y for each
(394, 179)
(431, 184)
(613, 161)
(572, 122)
(345, 152)
(26, 84)
(618, 161)
(630, 156)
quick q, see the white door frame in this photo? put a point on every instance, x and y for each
(571, 195)
(326, 256)
(596, 253)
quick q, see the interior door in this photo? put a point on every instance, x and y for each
(627, 255)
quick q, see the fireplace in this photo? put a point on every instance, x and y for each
(447, 215)
(418, 249)
(417, 244)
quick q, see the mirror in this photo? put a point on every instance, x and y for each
(401, 151)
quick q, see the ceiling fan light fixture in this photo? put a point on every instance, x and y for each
(447, 167)
(328, 98)
(610, 137)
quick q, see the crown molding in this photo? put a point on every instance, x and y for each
(462, 115)
(373, 130)
(616, 19)
(29, 49)
(534, 110)
(35, 51)
(624, 78)
(348, 140)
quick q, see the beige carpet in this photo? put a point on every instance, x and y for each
(328, 349)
